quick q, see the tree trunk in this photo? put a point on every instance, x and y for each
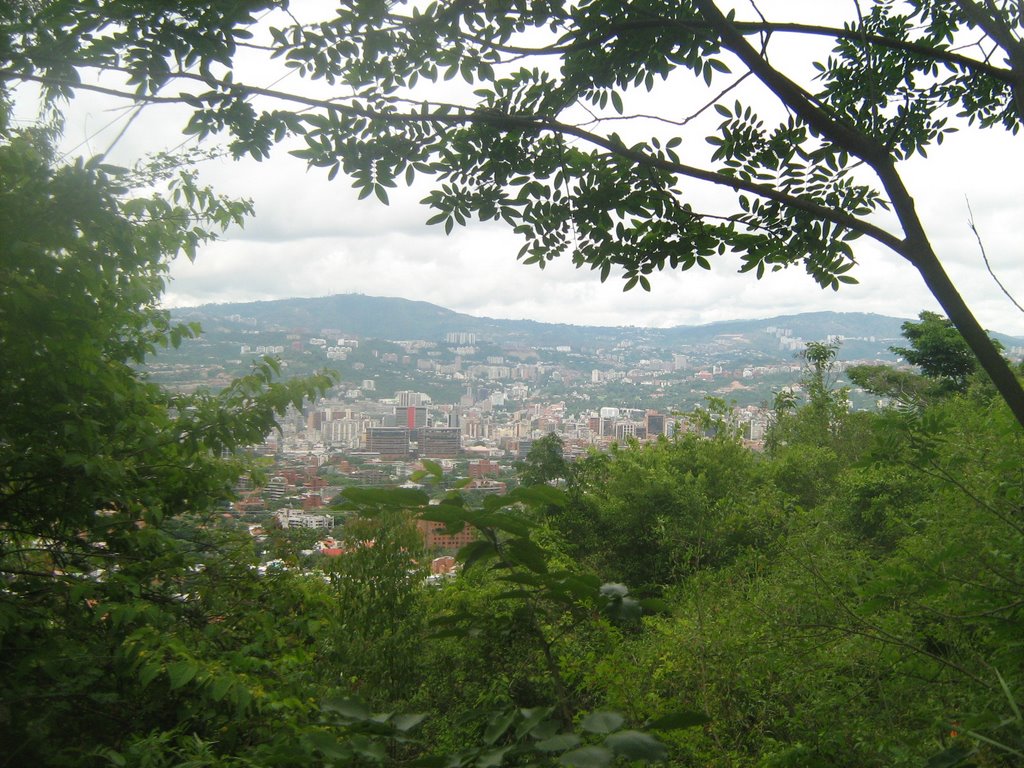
(952, 303)
(917, 249)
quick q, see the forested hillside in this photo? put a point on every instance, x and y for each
(396, 319)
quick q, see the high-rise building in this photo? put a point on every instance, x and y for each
(483, 468)
(655, 423)
(434, 539)
(298, 518)
(440, 442)
(389, 442)
(609, 418)
(460, 337)
(406, 399)
(627, 429)
(411, 417)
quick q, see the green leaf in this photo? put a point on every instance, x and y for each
(454, 519)
(527, 579)
(147, 673)
(115, 758)
(532, 718)
(433, 468)
(493, 757)
(525, 552)
(367, 747)
(326, 744)
(602, 722)
(180, 672)
(220, 687)
(559, 743)
(587, 757)
(504, 521)
(474, 552)
(950, 758)
(655, 605)
(354, 709)
(583, 586)
(1009, 697)
(405, 723)
(676, 720)
(241, 698)
(498, 724)
(635, 745)
(540, 495)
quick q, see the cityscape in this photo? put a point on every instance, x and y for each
(475, 400)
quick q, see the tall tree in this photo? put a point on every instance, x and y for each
(553, 139)
(938, 349)
(544, 461)
(96, 461)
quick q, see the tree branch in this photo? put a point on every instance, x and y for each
(787, 91)
(992, 26)
(984, 256)
(506, 121)
(915, 247)
(944, 55)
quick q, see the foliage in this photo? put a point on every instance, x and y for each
(938, 349)
(506, 608)
(653, 516)
(838, 601)
(379, 626)
(544, 462)
(903, 388)
(108, 626)
(882, 607)
(823, 426)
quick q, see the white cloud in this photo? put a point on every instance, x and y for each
(311, 238)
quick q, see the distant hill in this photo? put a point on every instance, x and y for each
(387, 318)
(357, 315)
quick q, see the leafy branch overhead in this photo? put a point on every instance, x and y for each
(579, 124)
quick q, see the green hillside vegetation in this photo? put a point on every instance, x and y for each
(853, 596)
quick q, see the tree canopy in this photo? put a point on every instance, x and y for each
(540, 114)
(938, 350)
(544, 462)
(97, 463)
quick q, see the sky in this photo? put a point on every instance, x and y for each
(310, 237)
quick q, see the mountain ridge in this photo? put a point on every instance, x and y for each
(393, 318)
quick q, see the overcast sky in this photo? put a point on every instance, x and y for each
(311, 237)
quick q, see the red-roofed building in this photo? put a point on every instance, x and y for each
(434, 540)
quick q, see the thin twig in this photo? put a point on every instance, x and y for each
(984, 256)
